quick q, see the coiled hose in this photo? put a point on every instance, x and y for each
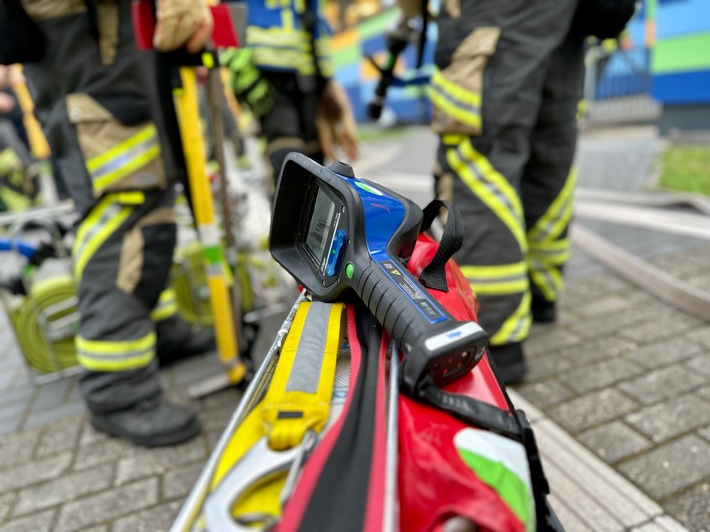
(26, 321)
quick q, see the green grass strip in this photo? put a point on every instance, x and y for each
(686, 169)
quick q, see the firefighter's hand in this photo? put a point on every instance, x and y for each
(182, 23)
(245, 80)
(336, 123)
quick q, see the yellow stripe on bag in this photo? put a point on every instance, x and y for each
(260, 422)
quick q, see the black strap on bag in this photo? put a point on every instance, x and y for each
(434, 274)
(512, 423)
(22, 40)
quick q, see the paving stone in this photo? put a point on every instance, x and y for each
(600, 349)
(555, 339)
(544, 367)
(216, 418)
(16, 395)
(60, 436)
(705, 432)
(51, 394)
(592, 409)
(545, 393)
(700, 364)
(38, 522)
(108, 505)
(600, 374)
(661, 384)
(64, 489)
(605, 305)
(692, 507)
(672, 418)
(700, 335)
(614, 441)
(95, 454)
(158, 519)
(665, 353)
(18, 447)
(12, 414)
(37, 417)
(156, 461)
(704, 392)
(614, 323)
(33, 472)
(6, 501)
(670, 468)
(650, 331)
(179, 482)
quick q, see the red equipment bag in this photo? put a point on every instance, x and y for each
(464, 451)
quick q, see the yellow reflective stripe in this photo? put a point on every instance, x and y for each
(497, 280)
(167, 305)
(278, 38)
(490, 187)
(517, 326)
(515, 286)
(548, 280)
(103, 221)
(495, 272)
(553, 222)
(144, 134)
(454, 100)
(555, 255)
(281, 58)
(124, 158)
(115, 355)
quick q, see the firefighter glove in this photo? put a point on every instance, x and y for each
(250, 87)
(182, 23)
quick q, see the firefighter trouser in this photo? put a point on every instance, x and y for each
(505, 100)
(94, 95)
(290, 125)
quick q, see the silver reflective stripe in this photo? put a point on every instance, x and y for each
(307, 364)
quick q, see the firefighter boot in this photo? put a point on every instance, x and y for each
(509, 362)
(177, 339)
(543, 311)
(151, 423)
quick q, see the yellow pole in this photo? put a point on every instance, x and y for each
(189, 119)
(35, 136)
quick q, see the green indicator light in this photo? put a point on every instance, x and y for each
(349, 270)
(368, 188)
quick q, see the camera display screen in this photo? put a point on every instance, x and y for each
(319, 227)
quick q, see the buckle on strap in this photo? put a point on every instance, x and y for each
(257, 465)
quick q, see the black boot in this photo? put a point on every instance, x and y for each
(151, 423)
(177, 339)
(509, 361)
(543, 311)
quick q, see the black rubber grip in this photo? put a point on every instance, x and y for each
(404, 317)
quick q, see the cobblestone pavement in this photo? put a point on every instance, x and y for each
(624, 374)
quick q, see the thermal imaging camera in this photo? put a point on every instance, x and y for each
(335, 232)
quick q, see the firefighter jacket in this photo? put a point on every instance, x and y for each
(285, 35)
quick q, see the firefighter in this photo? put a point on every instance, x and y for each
(284, 75)
(94, 95)
(504, 95)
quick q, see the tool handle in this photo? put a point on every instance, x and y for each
(434, 343)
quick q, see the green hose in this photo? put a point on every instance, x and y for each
(25, 319)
